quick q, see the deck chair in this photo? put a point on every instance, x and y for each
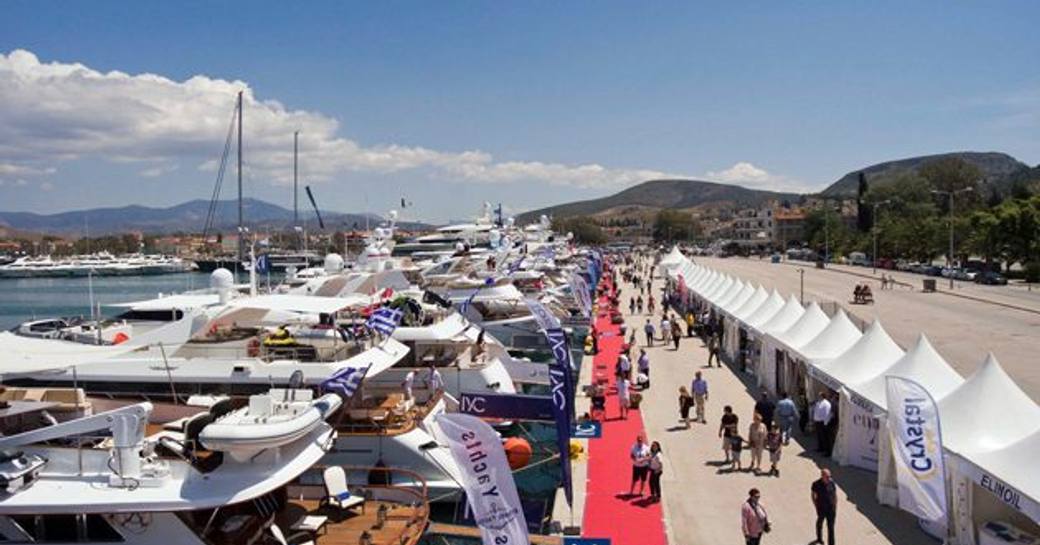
(336, 492)
(301, 538)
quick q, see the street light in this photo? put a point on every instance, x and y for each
(949, 254)
(875, 226)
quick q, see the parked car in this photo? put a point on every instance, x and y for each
(933, 270)
(859, 258)
(991, 278)
(964, 274)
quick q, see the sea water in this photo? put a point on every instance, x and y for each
(23, 299)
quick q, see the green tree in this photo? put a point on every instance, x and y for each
(585, 229)
(673, 225)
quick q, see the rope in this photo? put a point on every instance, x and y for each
(214, 199)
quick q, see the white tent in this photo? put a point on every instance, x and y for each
(921, 364)
(780, 322)
(832, 340)
(765, 312)
(735, 296)
(783, 371)
(719, 289)
(1009, 475)
(733, 317)
(703, 281)
(674, 258)
(986, 413)
(868, 357)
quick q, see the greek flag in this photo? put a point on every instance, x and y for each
(469, 300)
(344, 382)
(384, 320)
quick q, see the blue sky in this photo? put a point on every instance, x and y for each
(527, 103)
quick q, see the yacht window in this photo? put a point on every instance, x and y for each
(43, 327)
(64, 529)
(160, 315)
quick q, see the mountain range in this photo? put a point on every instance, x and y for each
(188, 217)
(999, 170)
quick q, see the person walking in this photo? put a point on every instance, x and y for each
(765, 408)
(754, 521)
(786, 415)
(666, 330)
(713, 350)
(774, 444)
(825, 500)
(649, 329)
(691, 321)
(640, 455)
(624, 396)
(650, 305)
(656, 466)
(631, 305)
(699, 387)
(644, 367)
(821, 416)
(685, 402)
(757, 433)
(639, 303)
(727, 429)
(676, 333)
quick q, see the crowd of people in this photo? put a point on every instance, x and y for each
(771, 424)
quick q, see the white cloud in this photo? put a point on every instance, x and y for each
(748, 175)
(51, 112)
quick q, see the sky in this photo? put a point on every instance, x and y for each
(450, 104)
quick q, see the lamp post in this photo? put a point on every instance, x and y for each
(801, 285)
(949, 253)
(875, 226)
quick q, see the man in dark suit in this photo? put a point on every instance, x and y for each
(825, 499)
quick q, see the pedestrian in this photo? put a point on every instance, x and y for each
(624, 397)
(713, 350)
(623, 367)
(774, 444)
(666, 330)
(631, 305)
(434, 381)
(650, 304)
(691, 321)
(821, 416)
(639, 303)
(644, 366)
(765, 407)
(727, 429)
(676, 333)
(825, 500)
(757, 433)
(754, 521)
(700, 395)
(656, 466)
(409, 381)
(685, 402)
(640, 455)
(736, 446)
(649, 329)
(787, 415)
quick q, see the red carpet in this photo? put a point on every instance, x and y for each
(609, 511)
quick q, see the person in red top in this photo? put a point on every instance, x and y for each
(754, 521)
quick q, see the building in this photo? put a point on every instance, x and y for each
(788, 227)
(753, 227)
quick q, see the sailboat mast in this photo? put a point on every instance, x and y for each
(295, 186)
(241, 234)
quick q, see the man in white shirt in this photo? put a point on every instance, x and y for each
(640, 455)
(434, 381)
(666, 330)
(821, 416)
(409, 380)
(624, 367)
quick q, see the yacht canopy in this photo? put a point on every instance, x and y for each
(19, 355)
(180, 301)
(309, 304)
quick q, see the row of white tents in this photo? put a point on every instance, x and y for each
(990, 428)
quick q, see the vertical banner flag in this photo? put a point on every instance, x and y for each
(913, 424)
(560, 378)
(490, 489)
(580, 289)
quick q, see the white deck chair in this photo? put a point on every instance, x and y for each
(279, 537)
(336, 492)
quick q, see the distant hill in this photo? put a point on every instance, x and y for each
(188, 217)
(999, 169)
(658, 194)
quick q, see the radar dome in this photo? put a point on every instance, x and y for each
(333, 263)
(221, 279)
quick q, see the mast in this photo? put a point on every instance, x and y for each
(241, 234)
(295, 187)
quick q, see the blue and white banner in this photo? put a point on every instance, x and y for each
(469, 300)
(580, 289)
(263, 264)
(561, 377)
(385, 320)
(916, 436)
(486, 478)
(344, 382)
(507, 406)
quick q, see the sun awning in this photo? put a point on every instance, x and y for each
(20, 355)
